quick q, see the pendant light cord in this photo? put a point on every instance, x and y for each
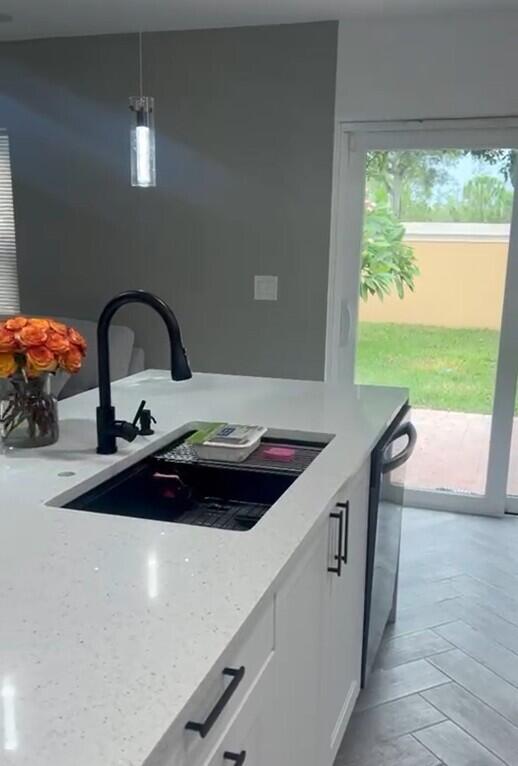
(140, 66)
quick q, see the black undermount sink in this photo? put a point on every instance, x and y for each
(225, 496)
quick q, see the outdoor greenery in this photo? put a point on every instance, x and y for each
(504, 160)
(387, 262)
(409, 185)
(445, 369)
(419, 185)
(394, 177)
(484, 199)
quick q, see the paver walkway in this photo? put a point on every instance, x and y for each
(452, 452)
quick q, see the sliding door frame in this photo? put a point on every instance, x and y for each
(352, 142)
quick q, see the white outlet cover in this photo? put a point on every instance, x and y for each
(266, 288)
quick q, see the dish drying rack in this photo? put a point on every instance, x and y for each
(304, 454)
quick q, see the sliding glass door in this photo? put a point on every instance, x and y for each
(512, 482)
(429, 236)
(504, 464)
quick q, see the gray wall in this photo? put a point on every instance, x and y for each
(244, 152)
(428, 66)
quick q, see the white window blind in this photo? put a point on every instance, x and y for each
(9, 296)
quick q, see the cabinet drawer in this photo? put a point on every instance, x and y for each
(213, 706)
(250, 738)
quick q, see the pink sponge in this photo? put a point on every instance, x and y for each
(285, 454)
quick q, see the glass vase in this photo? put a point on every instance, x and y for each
(28, 412)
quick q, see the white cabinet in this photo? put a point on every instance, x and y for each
(249, 739)
(298, 646)
(343, 616)
(302, 655)
(319, 632)
(221, 696)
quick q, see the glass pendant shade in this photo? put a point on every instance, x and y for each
(142, 141)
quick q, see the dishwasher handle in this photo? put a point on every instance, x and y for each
(391, 463)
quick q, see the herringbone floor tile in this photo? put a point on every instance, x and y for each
(458, 616)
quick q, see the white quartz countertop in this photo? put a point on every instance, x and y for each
(109, 624)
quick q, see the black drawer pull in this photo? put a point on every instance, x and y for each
(237, 758)
(338, 556)
(204, 728)
(345, 553)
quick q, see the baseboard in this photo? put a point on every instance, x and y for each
(449, 502)
(343, 718)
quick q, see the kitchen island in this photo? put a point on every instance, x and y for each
(117, 632)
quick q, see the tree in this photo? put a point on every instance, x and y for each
(506, 160)
(485, 199)
(415, 184)
(392, 173)
(387, 262)
(402, 180)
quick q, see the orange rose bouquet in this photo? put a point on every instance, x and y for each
(31, 348)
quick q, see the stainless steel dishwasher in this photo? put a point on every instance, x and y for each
(384, 533)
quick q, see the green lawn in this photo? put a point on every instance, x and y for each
(445, 369)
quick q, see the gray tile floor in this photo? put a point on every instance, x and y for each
(445, 690)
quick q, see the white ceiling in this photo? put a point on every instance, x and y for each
(52, 18)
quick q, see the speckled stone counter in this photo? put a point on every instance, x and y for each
(109, 624)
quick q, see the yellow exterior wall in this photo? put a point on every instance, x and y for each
(461, 285)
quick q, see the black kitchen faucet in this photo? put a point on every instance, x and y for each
(108, 428)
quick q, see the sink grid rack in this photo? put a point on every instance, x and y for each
(305, 453)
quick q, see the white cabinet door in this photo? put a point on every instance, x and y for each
(343, 614)
(319, 632)
(298, 649)
(250, 738)
(252, 650)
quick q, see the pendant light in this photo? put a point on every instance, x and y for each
(142, 136)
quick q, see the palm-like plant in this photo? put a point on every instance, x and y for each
(387, 262)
